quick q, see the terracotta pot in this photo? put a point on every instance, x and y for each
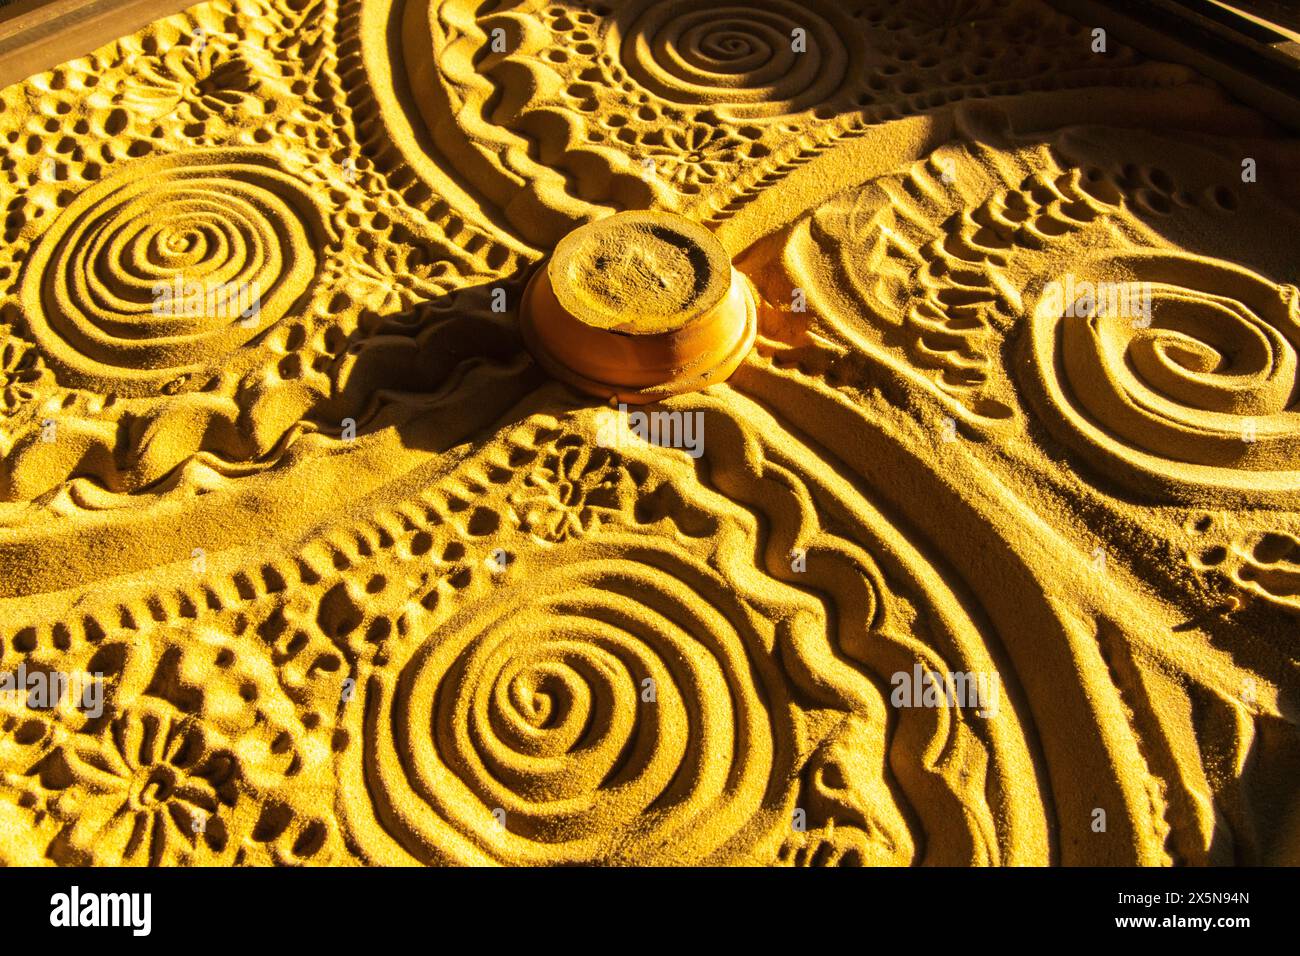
(639, 306)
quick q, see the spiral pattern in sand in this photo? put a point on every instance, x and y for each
(765, 58)
(171, 262)
(528, 728)
(1204, 378)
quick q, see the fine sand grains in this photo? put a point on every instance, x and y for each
(655, 433)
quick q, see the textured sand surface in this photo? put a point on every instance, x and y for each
(365, 584)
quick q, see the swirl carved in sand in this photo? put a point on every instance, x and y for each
(150, 272)
(620, 723)
(1200, 381)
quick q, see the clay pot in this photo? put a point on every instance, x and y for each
(639, 306)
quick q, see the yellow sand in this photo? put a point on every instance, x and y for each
(365, 585)
(643, 277)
